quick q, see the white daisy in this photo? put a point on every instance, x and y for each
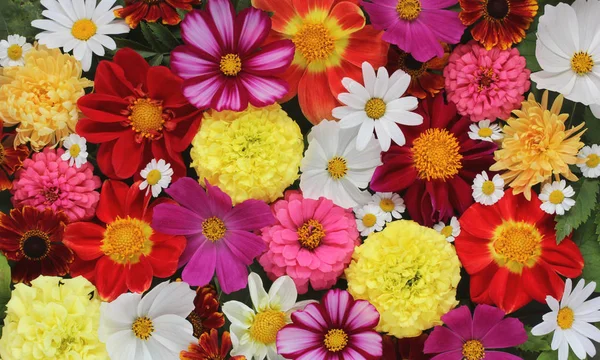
(254, 330)
(590, 168)
(486, 191)
(80, 26)
(568, 51)
(153, 327)
(556, 197)
(486, 131)
(76, 153)
(377, 106)
(13, 50)
(571, 321)
(450, 231)
(369, 218)
(391, 204)
(595, 110)
(157, 176)
(333, 168)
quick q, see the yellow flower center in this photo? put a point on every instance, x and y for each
(516, 244)
(556, 197)
(125, 240)
(265, 326)
(84, 29)
(310, 234)
(375, 108)
(473, 350)
(488, 187)
(369, 220)
(153, 177)
(582, 63)
(447, 231)
(337, 167)
(485, 132)
(314, 42)
(35, 245)
(213, 228)
(387, 205)
(408, 9)
(142, 328)
(335, 340)
(74, 150)
(146, 117)
(592, 161)
(14, 52)
(565, 318)
(230, 64)
(436, 155)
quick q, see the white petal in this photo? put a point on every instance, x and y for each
(352, 101)
(79, 7)
(365, 134)
(259, 296)
(587, 330)
(95, 46)
(573, 339)
(369, 77)
(238, 313)
(173, 332)
(283, 292)
(397, 88)
(381, 84)
(158, 350)
(545, 327)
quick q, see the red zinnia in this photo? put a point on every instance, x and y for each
(152, 10)
(437, 166)
(11, 158)
(137, 113)
(510, 251)
(125, 252)
(206, 313)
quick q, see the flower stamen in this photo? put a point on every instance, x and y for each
(337, 167)
(310, 234)
(230, 64)
(408, 9)
(314, 42)
(142, 328)
(436, 155)
(213, 228)
(335, 340)
(582, 63)
(375, 108)
(83, 29)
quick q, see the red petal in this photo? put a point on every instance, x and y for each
(136, 201)
(480, 284)
(87, 269)
(139, 276)
(112, 201)
(507, 291)
(104, 158)
(159, 151)
(103, 108)
(165, 254)
(85, 239)
(98, 132)
(473, 252)
(134, 66)
(166, 86)
(315, 97)
(110, 279)
(366, 45)
(541, 280)
(111, 80)
(303, 7)
(471, 222)
(127, 155)
(283, 12)
(292, 76)
(348, 16)
(335, 74)
(565, 258)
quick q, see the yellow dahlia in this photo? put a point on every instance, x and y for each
(41, 97)
(409, 273)
(537, 145)
(54, 318)
(252, 154)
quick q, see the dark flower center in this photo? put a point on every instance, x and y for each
(498, 9)
(35, 245)
(2, 154)
(411, 66)
(51, 195)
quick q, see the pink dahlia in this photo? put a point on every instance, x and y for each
(311, 241)
(47, 181)
(486, 84)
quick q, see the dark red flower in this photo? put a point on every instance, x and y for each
(152, 10)
(206, 315)
(404, 349)
(11, 158)
(208, 348)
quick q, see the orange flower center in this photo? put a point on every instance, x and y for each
(230, 64)
(310, 234)
(486, 78)
(411, 66)
(592, 161)
(375, 108)
(488, 187)
(387, 205)
(147, 117)
(515, 245)
(314, 42)
(436, 155)
(408, 9)
(369, 220)
(15, 52)
(497, 9)
(35, 245)
(335, 340)
(266, 325)
(142, 328)
(582, 63)
(213, 228)
(337, 167)
(83, 29)
(565, 318)
(126, 240)
(473, 350)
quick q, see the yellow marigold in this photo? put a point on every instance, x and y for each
(54, 318)
(252, 154)
(41, 97)
(409, 273)
(536, 146)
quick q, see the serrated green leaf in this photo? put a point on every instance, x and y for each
(123, 43)
(590, 249)
(535, 343)
(586, 192)
(597, 223)
(164, 36)
(151, 39)
(16, 17)
(4, 285)
(156, 60)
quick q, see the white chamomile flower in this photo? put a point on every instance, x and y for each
(13, 50)
(450, 231)
(153, 327)
(486, 131)
(369, 218)
(76, 153)
(377, 105)
(590, 168)
(81, 26)
(486, 191)
(556, 197)
(157, 176)
(254, 330)
(391, 204)
(571, 321)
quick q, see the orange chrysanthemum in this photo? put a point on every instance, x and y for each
(206, 315)
(152, 10)
(208, 348)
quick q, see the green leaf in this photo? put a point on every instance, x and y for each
(535, 343)
(590, 249)
(586, 191)
(242, 4)
(592, 135)
(553, 355)
(16, 17)
(597, 223)
(156, 45)
(163, 35)
(4, 285)
(123, 43)
(527, 50)
(156, 60)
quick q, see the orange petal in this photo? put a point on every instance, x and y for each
(292, 75)
(335, 74)
(315, 97)
(283, 12)
(349, 18)
(366, 45)
(303, 7)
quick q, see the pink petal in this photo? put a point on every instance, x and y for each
(442, 339)
(350, 353)
(459, 320)
(451, 355)
(191, 195)
(445, 24)
(382, 17)
(249, 215)
(263, 91)
(485, 317)
(252, 27)
(201, 91)
(367, 341)
(272, 59)
(197, 30)
(244, 245)
(187, 63)
(193, 242)
(200, 269)
(498, 355)
(336, 304)
(319, 353)
(437, 4)
(362, 316)
(232, 273)
(293, 341)
(310, 318)
(507, 333)
(219, 202)
(173, 219)
(233, 96)
(223, 15)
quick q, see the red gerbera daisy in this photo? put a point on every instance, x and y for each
(11, 158)
(152, 10)
(510, 251)
(208, 348)
(137, 113)
(33, 239)
(206, 313)
(437, 166)
(125, 252)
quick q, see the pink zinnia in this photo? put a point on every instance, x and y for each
(337, 328)
(223, 62)
(472, 338)
(219, 236)
(312, 241)
(47, 181)
(486, 84)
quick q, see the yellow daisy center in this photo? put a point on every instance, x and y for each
(265, 326)
(436, 155)
(582, 63)
(447, 231)
(314, 42)
(125, 240)
(485, 132)
(375, 108)
(310, 234)
(369, 220)
(146, 117)
(213, 228)
(15, 52)
(387, 205)
(516, 244)
(488, 187)
(230, 64)
(142, 328)
(556, 197)
(335, 340)
(74, 150)
(592, 161)
(153, 177)
(84, 29)
(35, 245)
(473, 350)
(337, 167)
(408, 9)
(565, 318)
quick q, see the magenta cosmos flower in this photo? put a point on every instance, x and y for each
(416, 26)
(221, 63)
(337, 328)
(219, 236)
(472, 338)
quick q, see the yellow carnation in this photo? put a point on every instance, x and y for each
(252, 154)
(41, 97)
(54, 318)
(409, 273)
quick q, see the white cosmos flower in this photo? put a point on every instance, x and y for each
(450, 231)
(568, 51)
(571, 321)
(486, 131)
(13, 50)
(591, 167)
(153, 327)
(333, 168)
(377, 106)
(595, 110)
(369, 218)
(157, 176)
(254, 330)
(486, 191)
(80, 26)
(390, 203)
(556, 197)
(76, 153)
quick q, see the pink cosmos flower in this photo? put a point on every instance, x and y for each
(47, 181)
(219, 237)
(486, 84)
(221, 63)
(472, 338)
(312, 241)
(337, 328)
